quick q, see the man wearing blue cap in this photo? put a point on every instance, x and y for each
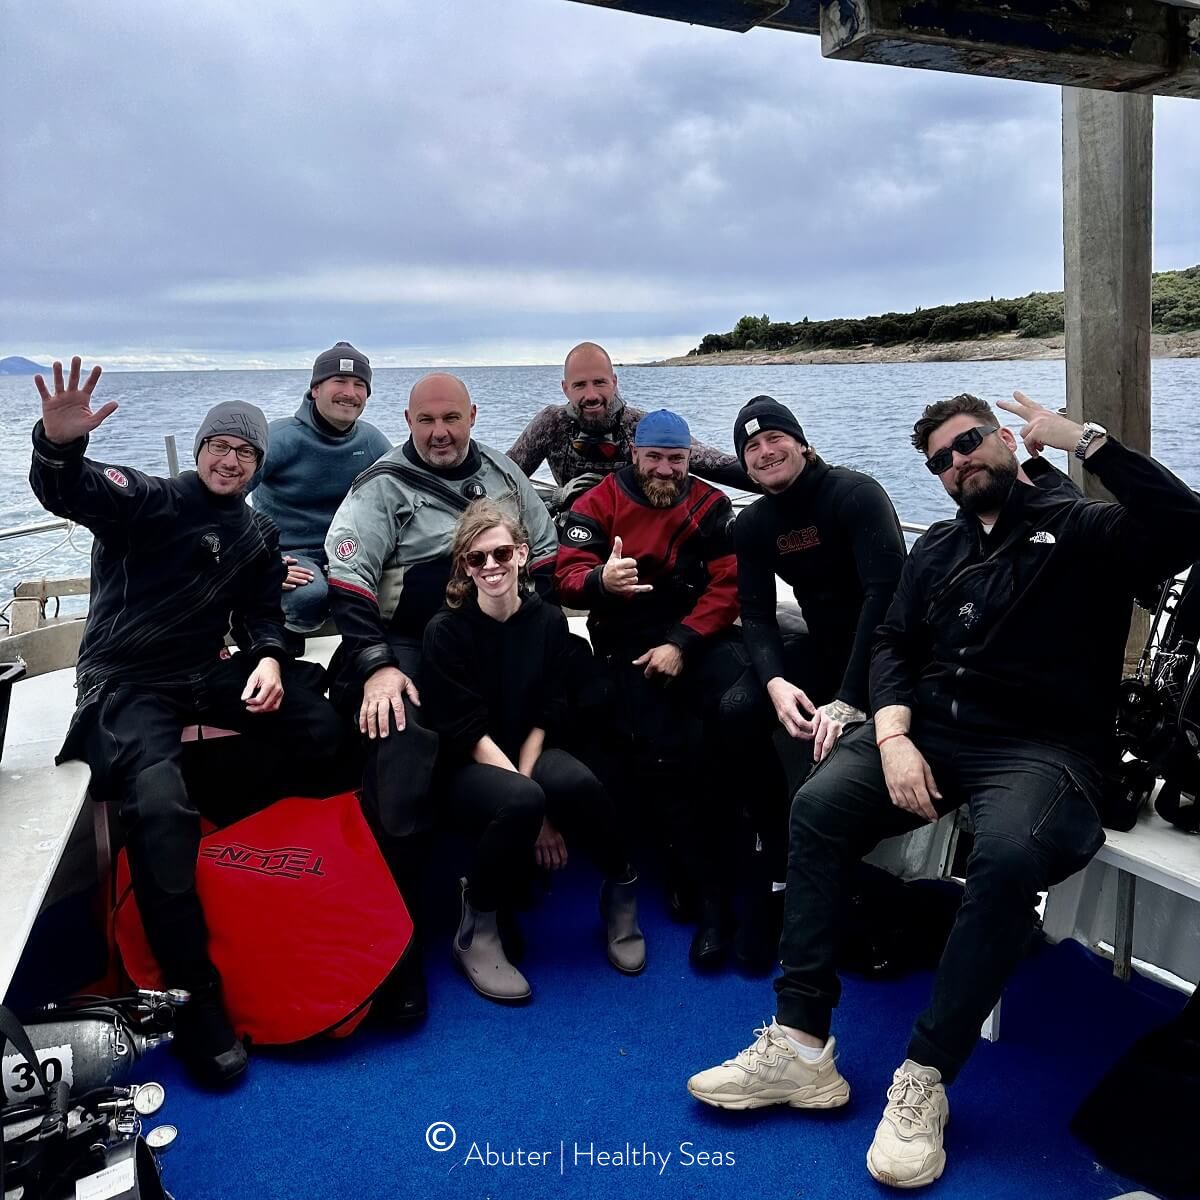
(649, 552)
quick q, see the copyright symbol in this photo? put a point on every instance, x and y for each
(440, 1136)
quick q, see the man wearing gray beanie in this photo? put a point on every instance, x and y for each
(316, 454)
(176, 564)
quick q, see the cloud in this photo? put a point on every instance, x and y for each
(226, 179)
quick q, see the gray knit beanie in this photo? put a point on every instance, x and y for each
(234, 418)
(341, 359)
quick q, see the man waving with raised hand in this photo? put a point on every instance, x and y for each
(994, 684)
(176, 563)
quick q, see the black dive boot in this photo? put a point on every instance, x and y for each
(204, 1039)
(710, 943)
(403, 996)
(756, 946)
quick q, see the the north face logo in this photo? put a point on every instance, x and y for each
(288, 862)
(115, 476)
(1044, 537)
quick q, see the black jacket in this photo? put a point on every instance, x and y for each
(1021, 632)
(501, 678)
(173, 568)
(835, 538)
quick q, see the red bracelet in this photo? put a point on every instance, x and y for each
(888, 739)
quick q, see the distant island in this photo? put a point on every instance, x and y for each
(1029, 327)
(14, 365)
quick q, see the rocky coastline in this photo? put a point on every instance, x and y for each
(1003, 346)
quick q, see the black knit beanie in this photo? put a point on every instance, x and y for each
(341, 359)
(759, 415)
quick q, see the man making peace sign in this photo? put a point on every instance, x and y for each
(993, 684)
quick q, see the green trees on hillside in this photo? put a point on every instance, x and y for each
(1175, 308)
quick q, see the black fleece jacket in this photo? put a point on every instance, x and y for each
(1021, 632)
(835, 538)
(173, 568)
(500, 678)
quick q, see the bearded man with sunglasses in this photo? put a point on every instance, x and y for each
(175, 563)
(994, 683)
(592, 435)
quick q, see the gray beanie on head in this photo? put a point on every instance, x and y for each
(234, 418)
(341, 359)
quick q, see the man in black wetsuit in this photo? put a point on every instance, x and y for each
(993, 684)
(174, 564)
(833, 535)
(591, 435)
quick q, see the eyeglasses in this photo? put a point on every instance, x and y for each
(595, 447)
(219, 449)
(965, 443)
(476, 558)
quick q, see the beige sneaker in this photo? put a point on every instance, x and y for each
(771, 1072)
(907, 1150)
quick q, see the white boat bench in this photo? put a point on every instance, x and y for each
(41, 806)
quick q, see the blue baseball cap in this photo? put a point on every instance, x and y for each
(664, 429)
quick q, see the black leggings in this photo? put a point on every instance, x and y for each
(502, 812)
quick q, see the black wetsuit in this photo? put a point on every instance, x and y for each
(173, 567)
(835, 538)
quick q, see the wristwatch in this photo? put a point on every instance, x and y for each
(1091, 431)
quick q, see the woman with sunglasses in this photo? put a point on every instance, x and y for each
(494, 687)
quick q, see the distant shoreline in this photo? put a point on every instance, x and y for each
(1004, 346)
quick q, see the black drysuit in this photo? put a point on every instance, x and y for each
(174, 567)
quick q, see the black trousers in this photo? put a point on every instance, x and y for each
(397, 776)
(694, 749)
(502, 812)
(1033, 809)
(129, 735)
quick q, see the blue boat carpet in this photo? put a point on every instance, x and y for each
(581, 1093)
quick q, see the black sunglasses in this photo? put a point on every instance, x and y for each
(476, 558)
(595, 447)
(965, 443)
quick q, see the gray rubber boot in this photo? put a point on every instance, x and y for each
(480, 955)
(618, 908)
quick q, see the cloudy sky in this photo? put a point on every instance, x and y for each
(489, 181)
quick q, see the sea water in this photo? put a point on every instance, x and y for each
(858, 415)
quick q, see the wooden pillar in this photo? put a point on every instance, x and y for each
(1107, 168)
(1107, 187)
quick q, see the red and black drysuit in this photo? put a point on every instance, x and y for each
(173, 568)
(683, 740)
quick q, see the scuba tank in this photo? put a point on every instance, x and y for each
(88, 1042)
(56, 1145)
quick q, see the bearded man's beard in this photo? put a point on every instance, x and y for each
(987, 488)
(661, 493)
(604, 420)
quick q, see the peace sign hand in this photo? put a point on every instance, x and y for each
(1042, 427)
(68, 415)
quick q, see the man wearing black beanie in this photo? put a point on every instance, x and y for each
(833, 535)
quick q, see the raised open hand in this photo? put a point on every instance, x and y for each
(68, 415)
(1043, 426)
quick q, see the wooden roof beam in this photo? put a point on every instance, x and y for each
(1114, 45)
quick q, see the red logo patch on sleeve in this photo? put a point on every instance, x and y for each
(115, 476)
(345, 548)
